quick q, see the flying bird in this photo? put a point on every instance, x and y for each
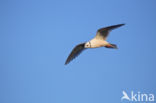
(98, 41)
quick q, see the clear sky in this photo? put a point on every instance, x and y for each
(36, 36)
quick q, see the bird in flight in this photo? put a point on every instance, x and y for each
(98, 41)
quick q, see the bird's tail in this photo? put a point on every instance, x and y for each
(113, 46)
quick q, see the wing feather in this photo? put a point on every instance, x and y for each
(103, 32)
(75, 52)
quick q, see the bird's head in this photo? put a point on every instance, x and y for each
(87, 45)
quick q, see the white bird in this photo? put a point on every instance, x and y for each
(98, 41)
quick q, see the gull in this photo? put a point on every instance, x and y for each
(98, 41)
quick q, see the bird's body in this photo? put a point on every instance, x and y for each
(98, 41)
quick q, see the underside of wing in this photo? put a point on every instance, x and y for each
(75, 52)
(103, 32)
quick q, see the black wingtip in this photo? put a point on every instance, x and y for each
(118, 25)
(66, 63)
(115, 26)
(122, 24)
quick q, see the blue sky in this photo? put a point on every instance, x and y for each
(37, 36)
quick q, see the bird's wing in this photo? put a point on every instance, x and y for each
(75, 52)
(102, 33)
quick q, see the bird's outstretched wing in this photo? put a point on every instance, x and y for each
(103, 32)
(75, 52)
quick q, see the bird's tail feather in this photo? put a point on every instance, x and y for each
(113, 46)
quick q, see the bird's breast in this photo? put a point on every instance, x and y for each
(98, 43)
